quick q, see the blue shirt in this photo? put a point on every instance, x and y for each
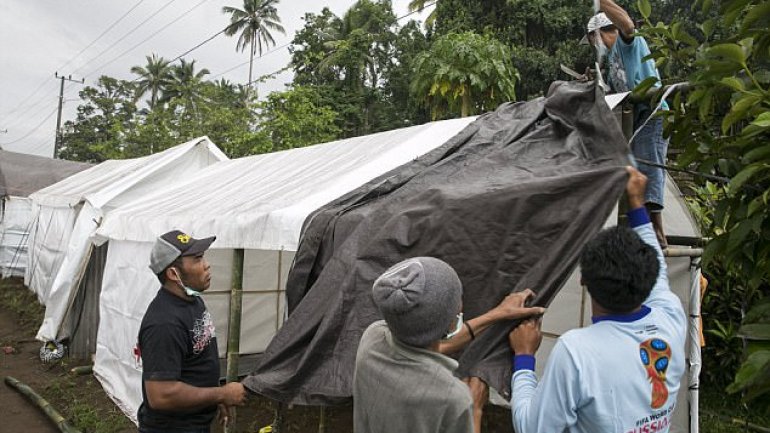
(626, 68)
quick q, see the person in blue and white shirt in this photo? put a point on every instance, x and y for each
(625, 52)
(622, 373)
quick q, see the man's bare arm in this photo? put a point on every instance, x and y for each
(619, 17)
(179, 396)
(511, 308)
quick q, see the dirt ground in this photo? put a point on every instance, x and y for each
(16, 412)
(81, 400)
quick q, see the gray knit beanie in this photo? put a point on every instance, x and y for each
(419, 298)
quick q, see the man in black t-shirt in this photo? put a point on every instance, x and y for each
(178, 346)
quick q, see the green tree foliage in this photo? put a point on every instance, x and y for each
(359, 64)
(464, 73)
(296, 118)
(419, 5)
(186, 85)
(108, 125)
(541, 34)
(254, 22)
(154, 78)
(723, 124)
(106, 112)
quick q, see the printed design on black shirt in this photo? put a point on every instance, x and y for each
(655, 355)
(203, 331)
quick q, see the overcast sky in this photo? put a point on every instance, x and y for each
(41, 37)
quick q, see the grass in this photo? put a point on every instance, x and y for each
(82, 401)
(721, 412)
(15, 298)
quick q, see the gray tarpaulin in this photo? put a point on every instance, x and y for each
(22, 174)
(508, 202)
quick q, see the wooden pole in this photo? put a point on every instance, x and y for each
(234, 325)
(322, 420)
(82, 370)
(43, 404)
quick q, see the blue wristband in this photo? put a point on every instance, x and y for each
(638, 217)
(523, 362)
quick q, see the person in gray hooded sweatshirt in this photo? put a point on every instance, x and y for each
(402, 380)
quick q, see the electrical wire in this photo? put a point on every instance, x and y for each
(203, 43)
(34, 92)
(126, 34)
(417, 10)
(67, 88)
(265, 54)
(240, 65)
(261, 78)
(165, 27)
(19, 114)
(33, 130)
(45, 81)
(110, 27)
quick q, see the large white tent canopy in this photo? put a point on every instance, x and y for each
(257, 203)
(66, 214)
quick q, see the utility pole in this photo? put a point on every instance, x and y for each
(57, 143)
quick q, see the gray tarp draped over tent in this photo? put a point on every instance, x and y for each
(22, 174)
(508, 202)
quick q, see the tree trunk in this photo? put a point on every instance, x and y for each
(251, 62)
(465, 111)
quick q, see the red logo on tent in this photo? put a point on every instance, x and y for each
(138, 356)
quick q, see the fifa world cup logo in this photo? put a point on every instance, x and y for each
(655, 354)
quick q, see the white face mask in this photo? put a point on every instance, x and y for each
(189, 291)
(458, 327)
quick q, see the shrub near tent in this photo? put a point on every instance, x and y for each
(723, 126)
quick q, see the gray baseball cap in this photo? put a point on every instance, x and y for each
(174, 244)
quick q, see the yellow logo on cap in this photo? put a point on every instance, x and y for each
(183, 238)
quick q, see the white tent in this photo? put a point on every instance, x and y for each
(256, 203)
(20, 176)
(67, 213)
(259, 204)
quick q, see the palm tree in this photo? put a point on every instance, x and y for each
(419, 5)
(254, 22)
(155, 78)
(186, 83)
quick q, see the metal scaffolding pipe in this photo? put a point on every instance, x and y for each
(695, 339)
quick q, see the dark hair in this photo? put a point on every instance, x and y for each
(619, 269)
(177, 263)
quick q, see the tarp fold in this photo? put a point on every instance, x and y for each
(508, 202)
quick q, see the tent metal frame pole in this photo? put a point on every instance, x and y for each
(694, 354)
(234, 325)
